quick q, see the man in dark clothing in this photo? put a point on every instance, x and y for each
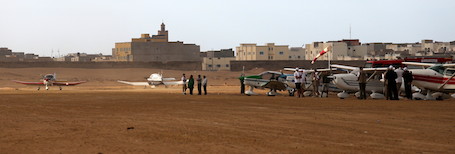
(392, 92)
(191, 84)
(199, 85)
(407, 77)
(242, 84)
(325, 84)
(362, 78)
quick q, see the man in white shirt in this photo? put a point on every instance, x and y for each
(204, 84)
(184, 84)
(399, 79)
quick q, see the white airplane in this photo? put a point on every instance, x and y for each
(50, 80)
(348, 82)
(438, 78)
(154, 80)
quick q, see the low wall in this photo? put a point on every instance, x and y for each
(189, 65)
(280, 64)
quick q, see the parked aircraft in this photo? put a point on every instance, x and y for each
(50, 80)
(348, 82)
(268, 79)
(277, 81)
(438, 78)
(154, 80)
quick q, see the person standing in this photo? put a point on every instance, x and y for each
(399, 79)
(362, 78)
(297, 81)
(204, 84)
(199, 85)
(315, 80)
(191, 84)
(390, 76)
(184, 84)
(325, 84)
(407, 78)
(242, 84)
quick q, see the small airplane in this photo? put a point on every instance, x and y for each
(50, 80)
(268, 79)
(154, 80)
(438, 78)
(277, 81)
(348, 81)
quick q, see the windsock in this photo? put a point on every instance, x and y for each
(327, 49)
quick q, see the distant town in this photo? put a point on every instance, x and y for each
(158, 48)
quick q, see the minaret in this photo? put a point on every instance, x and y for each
(163, 32)
(163, 27)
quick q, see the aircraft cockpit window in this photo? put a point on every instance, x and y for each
(438, 68)
(449, 72)
(269, 76)
(49, 76)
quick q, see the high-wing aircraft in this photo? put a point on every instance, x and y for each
(437, 78)
(348, 82)
(50, 80)
(154, 80)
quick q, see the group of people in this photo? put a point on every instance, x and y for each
(393, 79)
(189, 84)
(300, 80)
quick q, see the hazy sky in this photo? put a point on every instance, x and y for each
(93, 26)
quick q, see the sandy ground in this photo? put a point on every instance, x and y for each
(103, 116)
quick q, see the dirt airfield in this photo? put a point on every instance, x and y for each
(103, 116)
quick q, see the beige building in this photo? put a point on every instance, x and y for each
(350, 49)
(270, 51)
(296, 53)
(217, 60)
(156, 48)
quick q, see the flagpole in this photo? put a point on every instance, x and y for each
(328, 59)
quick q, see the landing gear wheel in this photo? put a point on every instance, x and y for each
(291, 92)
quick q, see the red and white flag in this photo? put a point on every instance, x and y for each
(327, 49)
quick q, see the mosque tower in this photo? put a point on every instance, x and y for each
(163, 33)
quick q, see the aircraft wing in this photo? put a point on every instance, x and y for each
(352, 68)
(167, 83)
(29, 83)
(418, 64)
(448, 65)
(135, 83)
(275, 85)
(375, 69)
(319, 70)
(345, 67)
(168, 79)
(67, 83)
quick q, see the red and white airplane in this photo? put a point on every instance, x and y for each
(49, 80)
(438, 78)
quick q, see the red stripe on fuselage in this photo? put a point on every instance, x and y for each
(433, 79)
